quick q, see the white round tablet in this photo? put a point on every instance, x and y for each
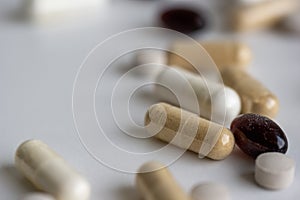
(210, 191)
(274, 170)
(37, 196)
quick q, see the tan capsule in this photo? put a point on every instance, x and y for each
(49, 172)
(223, 53)
(264, 14)
(255, 97)
(188, 131)
(155, 182)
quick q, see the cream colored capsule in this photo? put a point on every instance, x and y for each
(188, 131)
(264, 14)
(223, 53)
(255, 97)
(155, 182)
(49, 172)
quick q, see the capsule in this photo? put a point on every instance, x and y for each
(264, 14)
(255, 97)
(210, 191)
(49, 172)
(155, 182)
(188, 131)
(216, 102)
(223, 53)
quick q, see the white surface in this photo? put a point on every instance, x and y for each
(37, 196)
(38, 66)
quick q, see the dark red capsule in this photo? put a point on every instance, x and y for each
(184, 20)
(255, 134)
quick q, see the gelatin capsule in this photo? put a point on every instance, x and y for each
(188, 131)
(256, 134)
(49, 172)
(274, 170)
(210, 191)
(155, 182)
(216, 102)
(264, 14)
(223, 53)
(254, 96)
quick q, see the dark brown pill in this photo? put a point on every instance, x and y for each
(255, 134)
(183, 20)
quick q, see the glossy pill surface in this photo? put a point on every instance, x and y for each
(210, 191)
(215, 101)
(37, 196)
(184, 20)
(188, 131)
(255, 97)
(155, 182)
(49, 172)
(274, 171)
(256, 134)
(224, 53)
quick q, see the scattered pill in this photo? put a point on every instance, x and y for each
(216, 102)
(254, 96)
(49, 172)
(185, 20)
(274, 171)
(264, 14)
(37, 196)
(256, 134)
(223, 53)
(155, 182)
(188, 131)
(150, 56)
(210, 191)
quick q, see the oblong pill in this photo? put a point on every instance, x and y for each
(264, 14)
(216, 102)
(210, 191)
(224, 53)
(274, 170)
(37, 196)
(255, 97)
(155, 182)
(49, 172)
(188, 131)
(255, 134)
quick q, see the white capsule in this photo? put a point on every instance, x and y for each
(274, 170)
(210, 191)
(49, 172)
(37, 196)
(215, 101)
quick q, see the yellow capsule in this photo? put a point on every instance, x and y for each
(223, 53)
(255, 97)
(188, 131)
(264, 14)
(155, 182)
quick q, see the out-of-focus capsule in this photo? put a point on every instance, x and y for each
(155, 182)
(254, 96)
(223, 53)
(216, 102)
(49, 172)
(264, 14)
(188, 131)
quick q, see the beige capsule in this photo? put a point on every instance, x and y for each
(264, 14)
(155, 182)
(223, 53)
(188, 131)
(49, 172)
(255, 97)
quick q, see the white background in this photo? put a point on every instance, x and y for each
(38, 66)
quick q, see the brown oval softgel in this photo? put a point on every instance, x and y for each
(256, 134)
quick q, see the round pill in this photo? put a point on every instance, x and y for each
(184, 20)
(274, 170)
(38, 196)
(210, 191)
(256, 134)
